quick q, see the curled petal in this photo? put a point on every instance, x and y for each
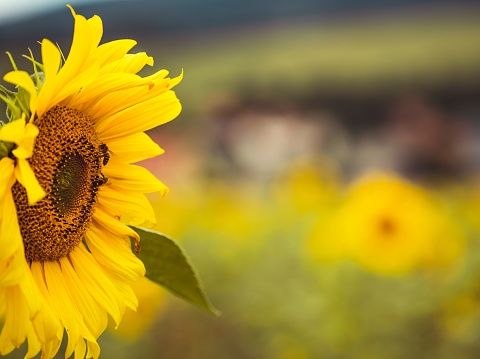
(24, 174)
(23, 135)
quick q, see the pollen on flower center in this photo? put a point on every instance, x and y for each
(67, 161)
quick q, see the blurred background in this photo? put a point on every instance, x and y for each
(324, 173)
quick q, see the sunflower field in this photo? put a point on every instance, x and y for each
(323, 182)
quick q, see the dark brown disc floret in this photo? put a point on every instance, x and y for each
(67, 161)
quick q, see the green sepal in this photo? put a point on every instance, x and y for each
(17, 103)
(5, 148)
(167, 265)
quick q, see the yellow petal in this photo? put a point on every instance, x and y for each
(94, 316)
(160, 75)
(133, 178)
(132, 207)
(118, 101)
(7, 176)
(104, 85)
(130, 63)
(176, 80)
(50, 349)
(79, 51)
(30, 291)
(140, 117)
(134, 148)
(100, 287)
(11, 269)
(111, 224)
(114, 253)
(51, 61)
(51, 64)
(80, 349)
(77, 70)
(70, 89)
(64, 306)
(47, 323)
(93, 350)
(96, 30)
(6, 346)
(113, 50)
(2, 302)
(34, 344)
(15, 327)
(24, 174)
(21, 134)
(13, 131)
(26, 142)
(12, 258)
(124, 288)
(10, 238)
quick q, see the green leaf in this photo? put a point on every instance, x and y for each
(167, 265)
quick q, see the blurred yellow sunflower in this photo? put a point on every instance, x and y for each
(68, 185)
(388, 225)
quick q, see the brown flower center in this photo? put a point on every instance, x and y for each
(67, 161)
(387, 226)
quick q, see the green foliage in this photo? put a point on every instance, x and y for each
(5, 148)
(168, 266)
(16, 102)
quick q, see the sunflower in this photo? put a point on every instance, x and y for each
(389, 225)
(68, 189)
